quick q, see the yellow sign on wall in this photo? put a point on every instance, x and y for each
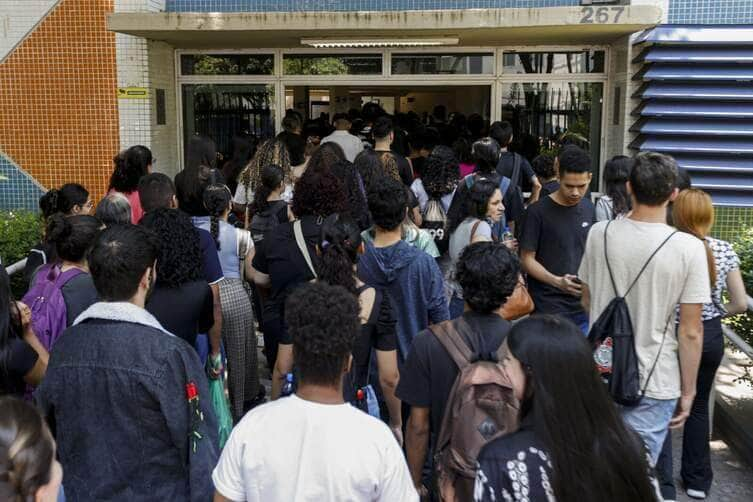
(133, 93)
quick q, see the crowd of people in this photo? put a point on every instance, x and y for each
(442, 319)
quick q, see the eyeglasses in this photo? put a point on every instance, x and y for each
(89, 204)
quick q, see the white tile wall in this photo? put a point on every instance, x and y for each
(164, 137)
(136, 116)
(18, 19)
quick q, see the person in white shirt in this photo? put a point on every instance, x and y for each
(350, 144)
(313, 446)
(677, 274)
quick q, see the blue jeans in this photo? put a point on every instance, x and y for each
(580, 319)
(650, 419)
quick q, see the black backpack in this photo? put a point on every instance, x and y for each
(266, 220)
(613, 341)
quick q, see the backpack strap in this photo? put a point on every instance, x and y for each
(301, 242)
(60, 278)
(516, 163)
(449, 335)
(473, 231)
(649, 261)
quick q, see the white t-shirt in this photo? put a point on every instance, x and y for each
(677, 274)
(292, 450)
(351, 145)
(243, 195)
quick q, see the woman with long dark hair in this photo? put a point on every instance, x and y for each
(180, 280)
(438, 179)
(280, 264)
(236, 250)
(339, 248)
(130, 166)
(28, 470)
(615, 203)
(572, 445)
(693, 213)
(244, 147)
(23, 359)
(199, 172)
(483, 208)
(70, 199)
(269, 208)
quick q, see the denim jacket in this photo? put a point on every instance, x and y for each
(117, 389)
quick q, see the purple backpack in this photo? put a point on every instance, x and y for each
(49, 315)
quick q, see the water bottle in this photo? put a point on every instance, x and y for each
(507, 235)
(287, 387)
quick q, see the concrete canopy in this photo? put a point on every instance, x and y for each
(473, 27)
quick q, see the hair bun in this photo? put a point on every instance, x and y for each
(58, 228)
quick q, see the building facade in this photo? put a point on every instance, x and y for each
(80, 79)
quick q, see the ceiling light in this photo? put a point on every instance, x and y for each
(332, 43)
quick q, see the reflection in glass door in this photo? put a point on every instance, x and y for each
(222, 110)
(546, 114)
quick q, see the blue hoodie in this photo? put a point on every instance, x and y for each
(415, 287)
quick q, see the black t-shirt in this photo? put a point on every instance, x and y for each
(403, 167)
(506, 164)
(429, 373)
(38, 256)
(558, 236)
(79, 294)
(21, 359)
(378, 333)
(195, 315)
(281, 259)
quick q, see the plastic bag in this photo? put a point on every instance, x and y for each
(219, 400)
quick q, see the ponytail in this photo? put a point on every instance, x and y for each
(63, 200)
(216, 200)
(339, 242)
(693, 213)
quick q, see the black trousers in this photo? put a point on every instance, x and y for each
(696, 471)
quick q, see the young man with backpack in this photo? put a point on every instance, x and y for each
(639, 268)
(514, 165)
(435, 379)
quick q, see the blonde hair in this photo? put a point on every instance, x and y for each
(693, 213)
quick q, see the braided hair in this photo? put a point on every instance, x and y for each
(339, 241)
(217, 200)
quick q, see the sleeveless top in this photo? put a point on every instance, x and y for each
(228, 252)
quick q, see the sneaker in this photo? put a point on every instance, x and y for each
(696, 494)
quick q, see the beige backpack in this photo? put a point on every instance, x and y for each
(480, 408)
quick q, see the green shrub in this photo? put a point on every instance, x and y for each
(19, 232)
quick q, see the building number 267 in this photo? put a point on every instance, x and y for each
(601, 15)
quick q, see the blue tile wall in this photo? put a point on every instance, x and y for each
(17, 189)
(351, 5)
(711, 11)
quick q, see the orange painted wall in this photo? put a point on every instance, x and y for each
(58, 104)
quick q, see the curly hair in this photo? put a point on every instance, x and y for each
(272, 151)
(130, 166)
(488, 273)
(179, 258)
(318, 194)
(388, 201)
(326, 156)
(441, 172)
(339, 240)
(357, 206)
(369, 165)
(323, 323)
(543, 166)
(475, 202)
(217, 200)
